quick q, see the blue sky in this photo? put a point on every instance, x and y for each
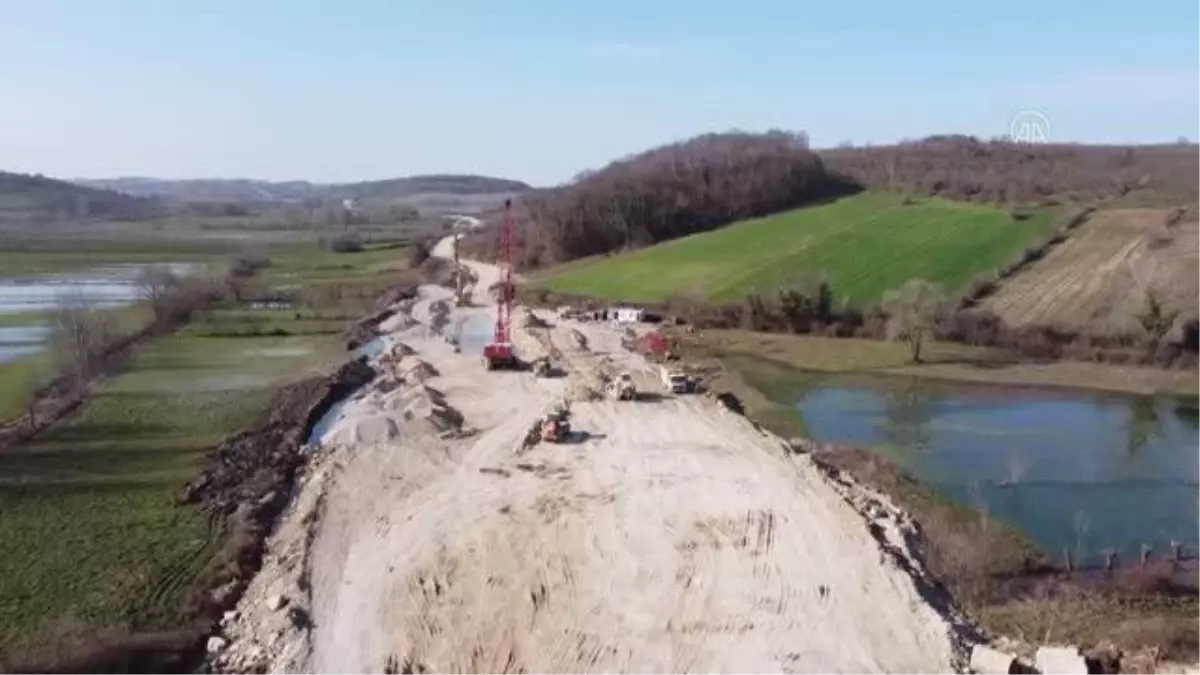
(540, 90)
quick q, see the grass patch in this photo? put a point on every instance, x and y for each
(865, 244)
(19, 259)
(90, 523)
(24, 319)
(309, 265)
(943, 361)
(234, 322)
(17, 379)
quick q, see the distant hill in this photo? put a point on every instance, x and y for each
(34, 199)
(244, 190)
(999, 172)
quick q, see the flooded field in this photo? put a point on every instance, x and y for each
(1074, 470)
(102, 287)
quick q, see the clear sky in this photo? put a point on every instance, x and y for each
(539, 89)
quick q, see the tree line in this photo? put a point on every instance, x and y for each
(1020, 174)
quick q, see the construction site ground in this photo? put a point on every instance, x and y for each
(667, 534)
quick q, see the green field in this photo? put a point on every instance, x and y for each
(312, 266)
(864, 245)
(90, 525)
(25, 258)
(89, 518)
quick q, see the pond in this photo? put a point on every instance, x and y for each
(473, 331)
(20, 341)
(1074, 470)
(102, 287)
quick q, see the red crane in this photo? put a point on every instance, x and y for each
(499, 352)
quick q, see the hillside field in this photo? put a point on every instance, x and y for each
(1097, 280)
(865, 245)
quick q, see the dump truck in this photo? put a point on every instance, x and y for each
(675, 381)
(622, 388)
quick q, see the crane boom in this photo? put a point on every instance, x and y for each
(507, 292)
(499, 353)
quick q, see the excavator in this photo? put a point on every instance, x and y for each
(556, 427)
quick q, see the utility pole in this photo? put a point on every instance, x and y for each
(458, 272)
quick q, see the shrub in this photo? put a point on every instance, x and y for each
(249, 263)
(347, 242)
(418, 253)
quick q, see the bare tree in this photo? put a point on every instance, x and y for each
(1155, 319)
(160, 288)
(912, 311)
(80, 336)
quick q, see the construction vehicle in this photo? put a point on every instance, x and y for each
(499, 354)
(676, 381)
(556, 427)
(622, 388)
(653, 345)
(541, 366)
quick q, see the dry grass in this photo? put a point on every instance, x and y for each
(1096, 281)
(943, 361)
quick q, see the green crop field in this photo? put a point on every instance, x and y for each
(91, 529)
(864, 245)
(88, 511)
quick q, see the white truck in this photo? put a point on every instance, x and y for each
(675, 381)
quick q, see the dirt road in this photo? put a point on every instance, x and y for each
(670, 535)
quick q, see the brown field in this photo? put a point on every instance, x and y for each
(1097, 280)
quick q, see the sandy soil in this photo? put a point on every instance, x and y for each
(667, 535)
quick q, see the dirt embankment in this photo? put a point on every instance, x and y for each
(667, 534)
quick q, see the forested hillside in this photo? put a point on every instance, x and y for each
(243, 190)
(671, 191)
(713, 180)
(34, 199)
(966, 168)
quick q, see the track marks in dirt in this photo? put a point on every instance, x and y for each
(1097, 279)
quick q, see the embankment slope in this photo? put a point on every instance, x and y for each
(1096, 281)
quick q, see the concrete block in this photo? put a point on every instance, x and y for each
(1061, 661)
(988, 661)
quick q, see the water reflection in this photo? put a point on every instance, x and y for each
(21, 341)
(102, 288)
(1074, 470)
